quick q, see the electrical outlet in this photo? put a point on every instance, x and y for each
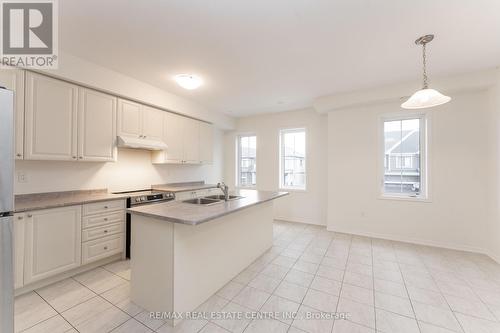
(22, 177)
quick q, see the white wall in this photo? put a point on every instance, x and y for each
(308, 206)
(132, 171)
(456, 217)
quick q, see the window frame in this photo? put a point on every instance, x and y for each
(425, 156)
(281, 156)
(238, 160)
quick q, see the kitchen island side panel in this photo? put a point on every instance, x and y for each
(208, 256)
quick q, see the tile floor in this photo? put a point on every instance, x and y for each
(381, 286)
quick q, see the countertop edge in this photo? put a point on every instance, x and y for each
(68, 203)
(201, 221)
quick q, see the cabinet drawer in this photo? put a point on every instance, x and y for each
(103, 219)
(103, 207)
(102, 248)
(99, 232)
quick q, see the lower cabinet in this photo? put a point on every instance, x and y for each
(52, 242)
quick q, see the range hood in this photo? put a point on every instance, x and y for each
(138, 143)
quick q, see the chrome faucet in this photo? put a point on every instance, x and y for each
(225, 189)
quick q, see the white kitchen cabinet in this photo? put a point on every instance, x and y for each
(173, 138)
(206, 143)
(152, 123)
(139, 121)
(19, 229)
(50, 119)
(96, 126)
(129, 118)
(191, 140)
(13, 79)
(52, 243)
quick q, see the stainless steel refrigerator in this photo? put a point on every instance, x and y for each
(6, 210)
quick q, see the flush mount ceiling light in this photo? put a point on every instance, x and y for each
(188, 81)
(426, 97)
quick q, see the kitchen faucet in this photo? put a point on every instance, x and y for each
(225, 189)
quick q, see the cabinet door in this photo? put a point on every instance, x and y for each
(173, 138)
(53, 242)
(191, 140)
(13, 79)
(19, 228)
(206, 142)
(96, 126)
(51, 119)
(152, 123)
(129, 118)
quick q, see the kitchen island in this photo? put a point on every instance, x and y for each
(183, 253)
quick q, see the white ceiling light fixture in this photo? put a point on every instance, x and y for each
(188, 81)
(426, 97)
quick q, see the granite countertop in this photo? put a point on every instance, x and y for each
(27, 202)
(183, 187)
(185, 213)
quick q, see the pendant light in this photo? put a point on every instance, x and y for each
(426, 97)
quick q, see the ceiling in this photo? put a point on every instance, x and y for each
(275, 55)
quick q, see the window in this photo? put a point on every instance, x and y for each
(293, 159)
(404, 157)
(247, 164)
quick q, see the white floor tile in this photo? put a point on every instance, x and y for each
(298, 277)
(309, 320)
(391, 288)
(346, 326)
(394, 304)
(99, 280)
(291, 291)
(95, 315)
(251, 298)
(132, 326)
(264, 283)
(357, 294)
(275, 271)
(357, 312)
(146, 319)
(30, 309)
(120, 297)
(476, 325)
(330, 273)
(474, 308)
(230, 290)
(266, 325)
(436, 316)
(65, 294)
(212, 328)
(283, 307)
(235, 320)
(320, 301)
(55, 324)
(326, 285)
(120, 268)
(389, 322)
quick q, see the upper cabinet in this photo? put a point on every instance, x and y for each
(51, 119)
(139, 121)
(67, 122)
(13, 79)
(206, 143)
(96, 126)
(189, 141)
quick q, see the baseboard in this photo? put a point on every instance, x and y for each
(416, 241)
(298, 220)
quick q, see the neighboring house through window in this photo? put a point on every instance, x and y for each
(404, 172)
(293, 159)
(247, 160)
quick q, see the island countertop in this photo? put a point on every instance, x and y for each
(186, 213)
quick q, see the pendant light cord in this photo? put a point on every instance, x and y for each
(424, 61)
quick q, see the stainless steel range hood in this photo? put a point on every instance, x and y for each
(138, 143)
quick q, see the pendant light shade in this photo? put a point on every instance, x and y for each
(426, 97)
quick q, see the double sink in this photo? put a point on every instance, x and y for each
(212, 199)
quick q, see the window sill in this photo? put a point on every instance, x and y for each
(292, 189)
(245, 187)
(404, 198)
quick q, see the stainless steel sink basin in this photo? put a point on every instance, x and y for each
(203, 201)
(221, 197)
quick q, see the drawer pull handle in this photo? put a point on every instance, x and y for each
(105, 207)
(30, 215)
(105, 219)
(105, 231)
(105, 247)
